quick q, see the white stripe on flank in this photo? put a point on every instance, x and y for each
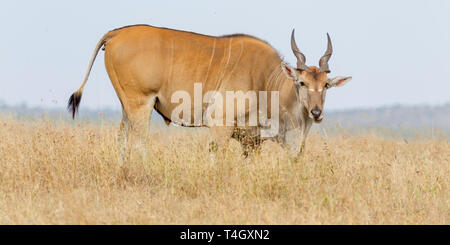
(219, 83)
(229, 54)
(171, 60)
(238, 59)
(210, 60)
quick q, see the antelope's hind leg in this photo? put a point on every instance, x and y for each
(137, 125)
(122, 138)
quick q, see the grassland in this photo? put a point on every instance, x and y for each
(61, 173)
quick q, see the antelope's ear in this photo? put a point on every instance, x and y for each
(289, 71)
(338, 81)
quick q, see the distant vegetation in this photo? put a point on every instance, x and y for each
(397, 116)
(405, 121)
(24, 111)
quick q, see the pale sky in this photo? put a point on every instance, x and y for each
(397, 51)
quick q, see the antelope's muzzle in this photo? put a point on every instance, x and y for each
(316, 112)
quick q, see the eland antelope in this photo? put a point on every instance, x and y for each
(148, 64)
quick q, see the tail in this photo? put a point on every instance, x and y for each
(75, 98)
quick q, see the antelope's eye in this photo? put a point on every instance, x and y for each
(302, 84)
(327, 85)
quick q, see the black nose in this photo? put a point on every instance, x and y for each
(316, 112)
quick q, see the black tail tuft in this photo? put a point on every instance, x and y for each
(74, 102)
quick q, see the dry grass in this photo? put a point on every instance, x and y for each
(56, 173)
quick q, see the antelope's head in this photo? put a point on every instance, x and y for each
(312, 82)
